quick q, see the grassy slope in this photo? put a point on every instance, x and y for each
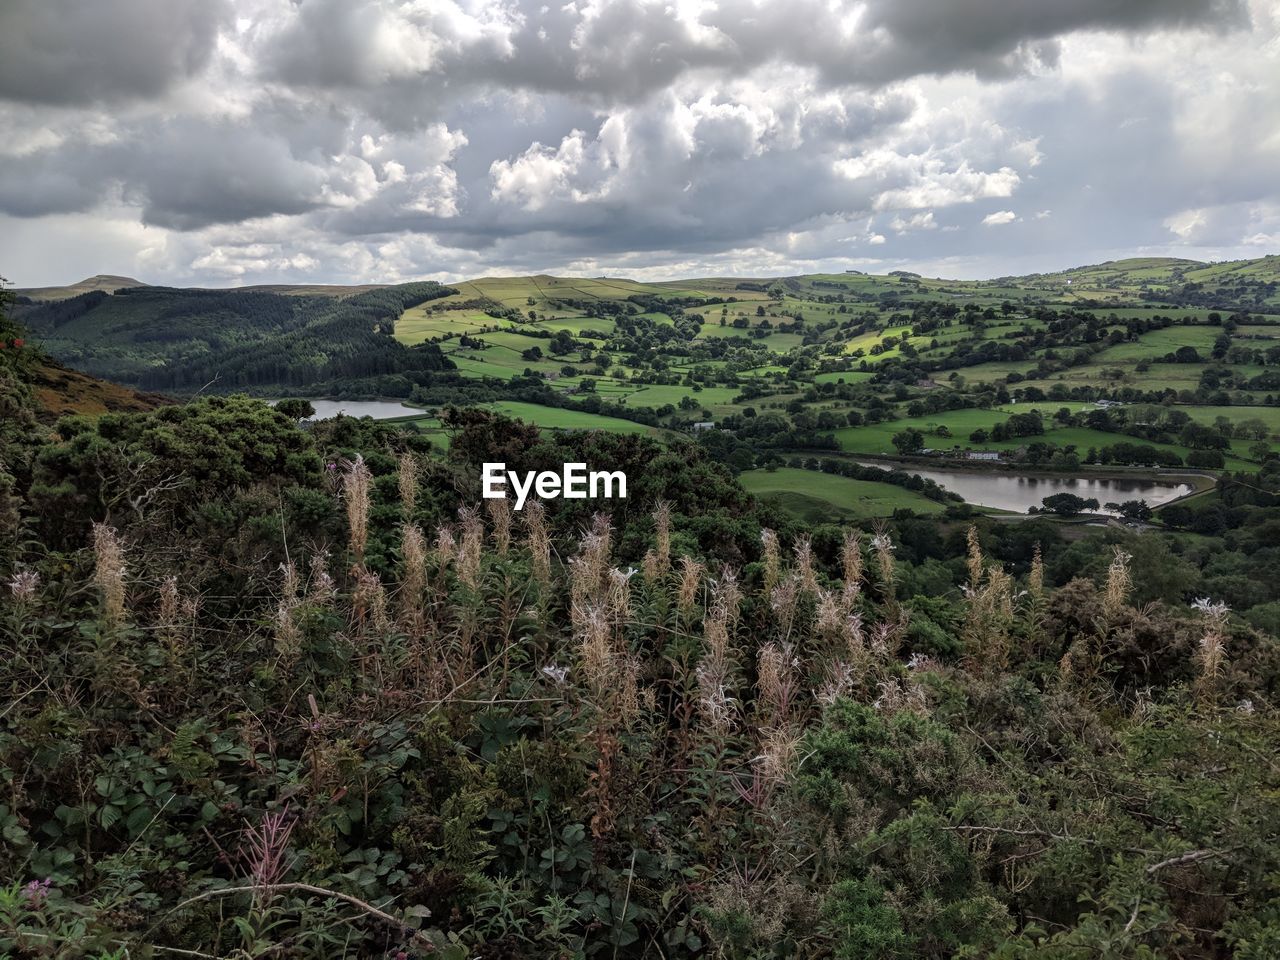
(61, 391)
(813, 495)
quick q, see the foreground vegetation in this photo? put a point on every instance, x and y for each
(283, 692)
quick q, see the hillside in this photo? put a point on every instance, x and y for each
(1143, 365)
(103, 282)
(172, 339)
(60, 391)
(286, 689)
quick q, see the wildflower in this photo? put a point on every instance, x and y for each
(36, 892)
(23, 585)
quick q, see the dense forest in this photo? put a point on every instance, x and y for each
(274, 689)
(160, 338)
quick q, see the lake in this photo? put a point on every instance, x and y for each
(378, 409)
(1007, 491)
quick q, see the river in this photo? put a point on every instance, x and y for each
(1007, 491)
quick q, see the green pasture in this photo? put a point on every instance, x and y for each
(815, 496)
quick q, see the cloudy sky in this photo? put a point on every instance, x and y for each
(219, 142)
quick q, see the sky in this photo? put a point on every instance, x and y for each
(227, 142)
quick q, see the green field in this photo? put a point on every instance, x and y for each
(812, 495)
(554, 418)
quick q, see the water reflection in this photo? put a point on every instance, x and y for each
(1007, 491)
(378, 409)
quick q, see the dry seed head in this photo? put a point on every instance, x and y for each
(854, 635)
(974, 561)
(413, 553)
(838, 683)
(778, 753)
(289, 583)
(714, 703)
(470, 547)
(539, 541)
(288, 638)
(897, 695)
(369, 600)
(356, 484)
(500, 515)
(851, 568)
(321, 587)
(783, 599)
(771, 558)
(716, 633)
(662, 536)
(1211, 651)
(594, 647)
(808, 579)
(726, 596)
(619, 594)
(170, 604)
(1035, 582)
(589, 570)
(884, 638)
(1118, 584)
(882, 544)
(446, 545)
(408, 479)
(690, 580)
(109, 571)
(831, 621)
(774, 678)
(650, 567)
(627, 688)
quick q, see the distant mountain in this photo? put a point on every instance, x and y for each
(103, 281)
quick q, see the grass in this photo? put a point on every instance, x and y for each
(555, 418)
(716, 399)
(812, 496)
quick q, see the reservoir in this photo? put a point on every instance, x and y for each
(377, 409)
(1007, 491)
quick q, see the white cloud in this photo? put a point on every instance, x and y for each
(400, 137)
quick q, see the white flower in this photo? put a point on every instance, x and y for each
(24, 584)
(558, 675)
(1209, 608)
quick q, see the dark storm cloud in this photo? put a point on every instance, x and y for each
(75, 52)
(356, 138)
(182, 174)
(419, 57)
